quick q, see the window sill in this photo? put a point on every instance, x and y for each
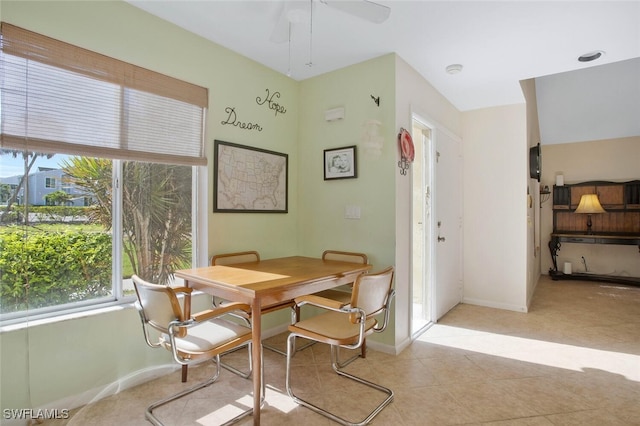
(50, 318)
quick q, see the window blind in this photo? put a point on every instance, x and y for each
(59, 98)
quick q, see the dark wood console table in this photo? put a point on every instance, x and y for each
(620, 224)
(557, 239)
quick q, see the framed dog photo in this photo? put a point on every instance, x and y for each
(340, 163)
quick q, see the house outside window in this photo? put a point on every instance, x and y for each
(120, 179)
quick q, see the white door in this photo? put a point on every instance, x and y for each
(448, 223)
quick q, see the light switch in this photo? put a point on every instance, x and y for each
(352, 212)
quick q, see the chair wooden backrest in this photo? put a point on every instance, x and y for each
(238, 257)
(160, 304)
(345, 256)
(372, 293)
(246, 257)
(342, 293)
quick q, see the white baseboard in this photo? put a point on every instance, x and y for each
(388, 349)
(492, 304)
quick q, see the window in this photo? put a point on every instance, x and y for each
(125, 144)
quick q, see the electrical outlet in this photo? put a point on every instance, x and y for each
(352, 212)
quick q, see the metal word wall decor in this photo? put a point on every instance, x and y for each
(232, 120)
(270, 102)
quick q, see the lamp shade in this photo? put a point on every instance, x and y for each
(589, 203)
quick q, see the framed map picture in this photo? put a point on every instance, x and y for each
(249, 180)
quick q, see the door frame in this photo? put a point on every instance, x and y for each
(430, 264)
(426, 181)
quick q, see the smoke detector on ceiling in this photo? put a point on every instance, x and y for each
(454, 68)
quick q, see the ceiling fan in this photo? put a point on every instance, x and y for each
(294, 12)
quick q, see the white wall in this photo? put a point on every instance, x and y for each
(534, 249)
(495, 157)
(414, 95)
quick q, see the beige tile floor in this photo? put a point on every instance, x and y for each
(574, 359)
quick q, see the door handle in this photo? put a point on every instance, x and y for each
(440, 239)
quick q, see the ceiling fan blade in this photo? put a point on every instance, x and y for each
(364, 9)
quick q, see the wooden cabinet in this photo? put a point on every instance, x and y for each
(561, 197)
(632, 195)
(578, 191)
(611, 196)
(621, 200)
(622, 195)
(620, 224)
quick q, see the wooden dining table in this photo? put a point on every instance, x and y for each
(268, 282)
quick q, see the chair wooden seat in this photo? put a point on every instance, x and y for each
(343, 293)
(339, 295)
(204, 338)
(331, 328)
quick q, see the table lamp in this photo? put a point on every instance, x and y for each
(589, 204)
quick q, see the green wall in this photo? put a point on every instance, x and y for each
(322, 203)
(69, 360)
(67, 363)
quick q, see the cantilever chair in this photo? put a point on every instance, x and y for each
(201, 337)
(345, 326)
(246, 257)
(344, 294)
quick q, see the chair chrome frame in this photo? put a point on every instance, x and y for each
(360, 317)
(179, 328)
(154, 420)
